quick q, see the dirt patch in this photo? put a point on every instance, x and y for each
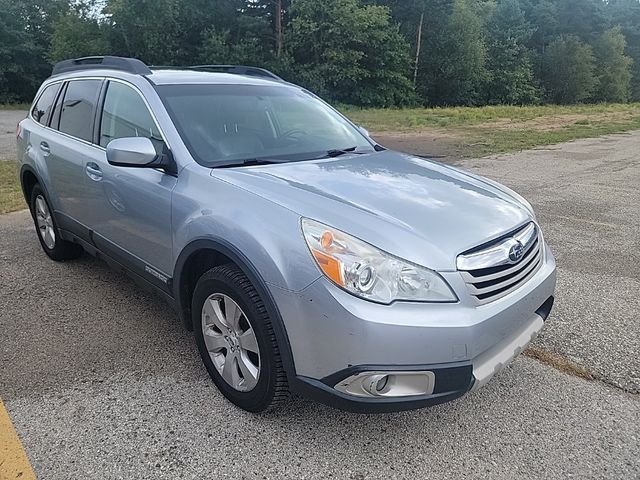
(555, 122)
(558, 362)
(441, 145)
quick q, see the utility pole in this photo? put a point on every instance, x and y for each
(418, 42)
(278, 27)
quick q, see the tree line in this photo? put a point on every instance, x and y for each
(359, 52)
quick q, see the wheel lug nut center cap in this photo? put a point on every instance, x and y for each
(232, 341)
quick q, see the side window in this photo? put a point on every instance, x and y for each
(78, 107)
(42, 108)
(126, 115)
(54, 122)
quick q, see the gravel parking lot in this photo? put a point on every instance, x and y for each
(102, 381)
(8, 121)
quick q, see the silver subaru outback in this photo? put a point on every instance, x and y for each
(306, 257)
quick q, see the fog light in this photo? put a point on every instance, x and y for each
(388, 384)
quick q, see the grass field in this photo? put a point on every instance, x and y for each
(496, 129)
(14, 106)
(10, 193)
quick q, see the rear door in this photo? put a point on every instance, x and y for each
(70, 149)
(131, 207)
(36, 137)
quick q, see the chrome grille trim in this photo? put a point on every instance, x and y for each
(495, 274)
(497, 254)
(469, 277)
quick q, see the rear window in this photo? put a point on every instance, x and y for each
(42, 108)
(78, 108)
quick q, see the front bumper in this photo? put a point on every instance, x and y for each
(334, 335)
(452, 380)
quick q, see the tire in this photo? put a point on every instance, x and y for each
(47, 231)
(232, 347)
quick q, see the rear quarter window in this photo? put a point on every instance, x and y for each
(43, 106)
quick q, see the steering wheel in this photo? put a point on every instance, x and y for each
(293, 133)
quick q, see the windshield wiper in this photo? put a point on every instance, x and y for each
(246, 162)
(341, 151)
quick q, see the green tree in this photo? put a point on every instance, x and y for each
(218, 47)
(582, 18)
(349, 52)
(275, 13)
(15, 47)
(78, 33)
(460, 75)
(569, 70)
(626, 14)
(25, 31)
(613, 67)
(145, 29)
(200, 22)
(543, 16)
(509, 66)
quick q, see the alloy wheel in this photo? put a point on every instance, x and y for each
(231, 342)
(45, 223)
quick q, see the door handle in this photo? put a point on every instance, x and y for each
(93, 171)
(44, 146)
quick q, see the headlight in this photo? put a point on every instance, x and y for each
(370, 273)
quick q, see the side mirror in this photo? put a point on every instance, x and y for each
(138, 152)
(364, 131)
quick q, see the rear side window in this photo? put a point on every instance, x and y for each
(78, 107)
(42, 108)
(126, 115)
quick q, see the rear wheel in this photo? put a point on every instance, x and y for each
(236, 340)
(48, 234)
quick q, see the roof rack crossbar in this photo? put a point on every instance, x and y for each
(236, 69)
(130, 65)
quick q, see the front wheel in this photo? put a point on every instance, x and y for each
(236, 340)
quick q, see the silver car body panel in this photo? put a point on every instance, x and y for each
(422, 211)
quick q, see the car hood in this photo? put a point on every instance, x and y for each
(420, 210)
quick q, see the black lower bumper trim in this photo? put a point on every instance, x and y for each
(545, 308)
(452, 381)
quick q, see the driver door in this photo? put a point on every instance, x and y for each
(132, 206)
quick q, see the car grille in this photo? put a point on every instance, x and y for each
(489, 272)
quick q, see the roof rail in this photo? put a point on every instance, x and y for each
(239, 70)
(235, 69)
(131, 65)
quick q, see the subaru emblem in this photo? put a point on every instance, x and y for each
(516, 251)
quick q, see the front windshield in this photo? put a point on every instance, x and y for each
(227, 124)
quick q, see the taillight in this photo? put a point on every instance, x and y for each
(18, 130)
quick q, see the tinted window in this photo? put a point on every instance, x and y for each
(126, 115)
(41, 110)
(78, 108)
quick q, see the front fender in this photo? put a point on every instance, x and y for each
(267, 235)
(262, 238)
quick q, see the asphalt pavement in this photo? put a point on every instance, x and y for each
(8, 122)
(102, 381)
